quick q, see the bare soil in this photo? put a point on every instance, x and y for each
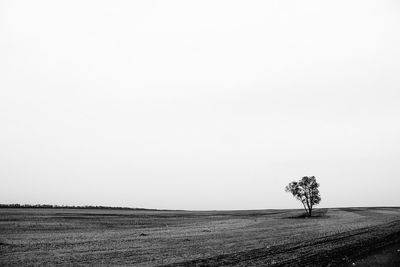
(334, 237)
(386, 256)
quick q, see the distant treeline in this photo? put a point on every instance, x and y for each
(47, 206)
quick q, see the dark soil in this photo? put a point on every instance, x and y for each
(335, 250)
(334, 237)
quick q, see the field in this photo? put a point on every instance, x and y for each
(343, 236)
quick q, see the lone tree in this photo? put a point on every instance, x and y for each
(305, 190)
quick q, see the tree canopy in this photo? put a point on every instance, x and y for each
(306, 190)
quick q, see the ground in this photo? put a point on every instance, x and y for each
(334, 237)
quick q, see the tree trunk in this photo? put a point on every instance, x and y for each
(309, 207)
(305, 208)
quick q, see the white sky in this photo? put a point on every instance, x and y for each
(199, 104)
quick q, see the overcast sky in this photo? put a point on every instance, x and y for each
(199, 104)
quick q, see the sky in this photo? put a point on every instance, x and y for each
(199, 105)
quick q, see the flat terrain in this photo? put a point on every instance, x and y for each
(334, 237)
